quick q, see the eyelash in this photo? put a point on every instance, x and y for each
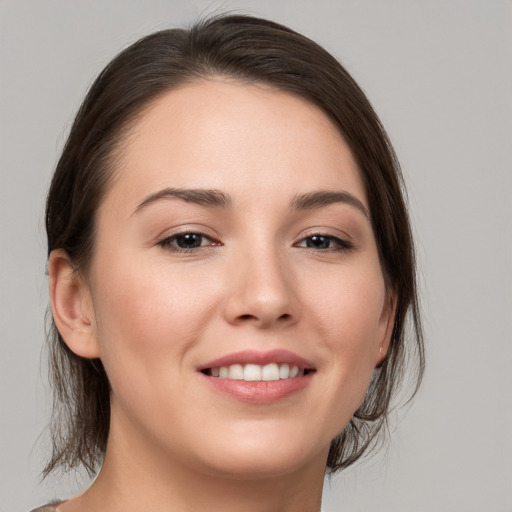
(341, 244)
(169, 242)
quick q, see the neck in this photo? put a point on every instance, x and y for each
(134, 477)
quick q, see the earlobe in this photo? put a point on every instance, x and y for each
(71, 304)
(387, 322)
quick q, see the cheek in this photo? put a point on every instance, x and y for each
(148, 314)
(349, 306)
(347, 313)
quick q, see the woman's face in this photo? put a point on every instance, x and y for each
(235, 244)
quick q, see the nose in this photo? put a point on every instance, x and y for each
(261, 291)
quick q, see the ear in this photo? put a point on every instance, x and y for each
(386, 324)
(72, 308)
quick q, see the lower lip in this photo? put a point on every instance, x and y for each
(259, 392)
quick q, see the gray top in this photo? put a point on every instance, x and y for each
(48, 508)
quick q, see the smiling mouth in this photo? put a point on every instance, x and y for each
(256, 372)
(258, 378)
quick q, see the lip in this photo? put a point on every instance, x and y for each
(258, 392)
(279, 356)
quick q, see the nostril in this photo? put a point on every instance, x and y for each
(247, 317)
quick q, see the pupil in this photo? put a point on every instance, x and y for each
(318, 242)
(189, 241)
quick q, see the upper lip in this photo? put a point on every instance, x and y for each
(279, 356)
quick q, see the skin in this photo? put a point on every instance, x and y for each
(154, 314)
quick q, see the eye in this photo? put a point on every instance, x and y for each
(325, 243)
(186, 242)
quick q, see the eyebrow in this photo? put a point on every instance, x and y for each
(322, 198)
(218, 199)
(202, 197)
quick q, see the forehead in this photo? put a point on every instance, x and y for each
(234, 137)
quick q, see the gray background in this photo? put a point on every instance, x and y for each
(439, 74)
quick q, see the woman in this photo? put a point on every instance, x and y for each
(231, 268)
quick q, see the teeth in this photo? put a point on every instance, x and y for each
(236, 372)
(270, 372)
(284, 371)
(256, 372)
(252, 372)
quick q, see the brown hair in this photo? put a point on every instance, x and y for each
(251, 50)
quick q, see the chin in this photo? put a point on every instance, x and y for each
(250, 470)
(250, 460)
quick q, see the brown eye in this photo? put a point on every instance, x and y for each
(187, 242)
(326, 243)
(318, 242)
